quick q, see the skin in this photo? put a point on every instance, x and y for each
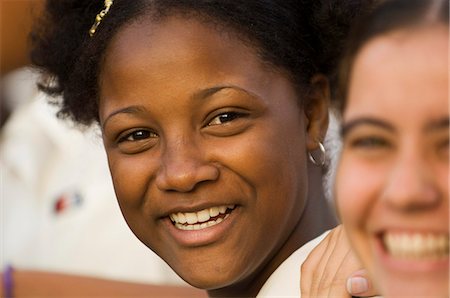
(325, 271)
(193, 119)
(393, 174)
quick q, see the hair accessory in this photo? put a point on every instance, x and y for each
(322, 159)
(8, 282)
(100, 17)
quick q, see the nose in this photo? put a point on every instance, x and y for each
(183, 167)
(411, 184)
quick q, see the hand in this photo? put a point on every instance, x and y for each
(332, 270)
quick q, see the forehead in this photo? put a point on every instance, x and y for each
(401, 75)
(181, 37)
(175, 58)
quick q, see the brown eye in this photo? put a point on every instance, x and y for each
(225, 117)
(137, 141)
(138, 135)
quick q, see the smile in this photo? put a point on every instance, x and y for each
(201, 219)
(420, 246)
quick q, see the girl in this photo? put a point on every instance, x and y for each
(392, 182)
(212, 115)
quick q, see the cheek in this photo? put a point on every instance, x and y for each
(130, 174)
(279, 165)
(273, 165)
(443, 175)
(357, 189)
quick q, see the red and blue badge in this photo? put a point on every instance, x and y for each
(67, 201)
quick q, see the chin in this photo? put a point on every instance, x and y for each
(207, 277)
(205, 282)
(423, 285)
(424, 290)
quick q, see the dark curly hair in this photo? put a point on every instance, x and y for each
(298, 36)
(383, 18)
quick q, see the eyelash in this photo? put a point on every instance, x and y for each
(144, 134)
(231, 117)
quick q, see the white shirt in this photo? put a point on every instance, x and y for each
(285, 280)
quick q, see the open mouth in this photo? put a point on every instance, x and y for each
(201, 219)
(416, 246)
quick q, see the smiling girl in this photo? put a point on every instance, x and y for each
(392, 182)
(210, 112)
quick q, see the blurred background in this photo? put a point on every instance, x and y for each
(15, 20)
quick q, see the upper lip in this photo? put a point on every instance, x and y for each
(433, 225)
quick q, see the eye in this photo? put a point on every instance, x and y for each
(225, 117)
(137, 141)
(137, 135)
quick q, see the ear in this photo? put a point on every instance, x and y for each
(316, 110)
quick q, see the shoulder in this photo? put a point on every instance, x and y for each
(285, 281)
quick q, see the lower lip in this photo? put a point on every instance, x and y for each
(409, 266)
(206, 236)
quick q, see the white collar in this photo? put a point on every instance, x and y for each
(285, 280)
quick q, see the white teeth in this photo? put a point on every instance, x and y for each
(417, 245)
(200, 219)
(214, 211)
(181, 218)
(191, 218)
(203, 215)
(174, 217)
(200, 226)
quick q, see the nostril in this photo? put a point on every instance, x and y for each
(412, 197)
(187, 178)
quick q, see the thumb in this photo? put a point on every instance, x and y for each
(359, 284)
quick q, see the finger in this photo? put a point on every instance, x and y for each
(337, 285)
(323, 263)
(333, 279)
(309, 266)
(359, 284)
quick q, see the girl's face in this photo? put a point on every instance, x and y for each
(392, 182)
(206, 148)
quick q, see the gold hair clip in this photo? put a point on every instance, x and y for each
(100, 17)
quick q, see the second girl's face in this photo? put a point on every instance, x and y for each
(392, 182)
(206, 149)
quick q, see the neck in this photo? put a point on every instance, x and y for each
(315, 219)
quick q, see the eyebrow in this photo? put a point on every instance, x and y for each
(350, 125)
(202, 94)
(434, 125)
(126, 110)
(440, 124)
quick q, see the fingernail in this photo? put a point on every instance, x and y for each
(357, 285)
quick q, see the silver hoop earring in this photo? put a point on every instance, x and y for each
(320, 162)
